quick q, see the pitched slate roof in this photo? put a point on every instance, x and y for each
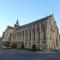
(37, 21)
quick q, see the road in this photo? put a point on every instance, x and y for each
(12, 54)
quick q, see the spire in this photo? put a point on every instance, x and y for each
(17, 23)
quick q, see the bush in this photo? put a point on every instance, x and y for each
(22, 46)
(33, 47)
(7, 44)
(14, 45)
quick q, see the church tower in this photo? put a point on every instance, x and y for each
(16, 24)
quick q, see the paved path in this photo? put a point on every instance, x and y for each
(12, 54)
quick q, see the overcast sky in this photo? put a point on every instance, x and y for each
(27, 11)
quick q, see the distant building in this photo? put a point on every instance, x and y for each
(43, 33)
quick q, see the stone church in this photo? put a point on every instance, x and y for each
(43, 33)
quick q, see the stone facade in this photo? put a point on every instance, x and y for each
(43, 33)
(59, 36)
